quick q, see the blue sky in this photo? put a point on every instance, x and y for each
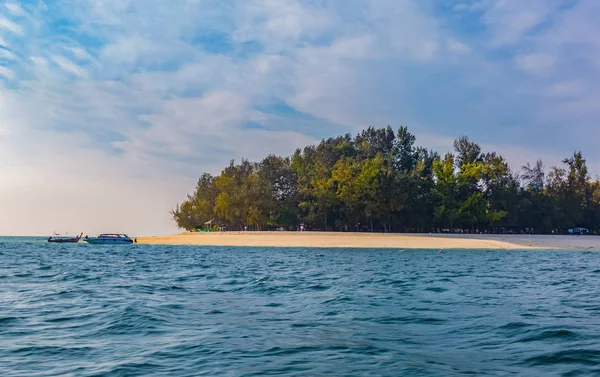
(123, 103)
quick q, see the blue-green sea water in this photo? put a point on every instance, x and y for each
(83, 310)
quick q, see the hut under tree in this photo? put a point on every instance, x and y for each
(206, 227)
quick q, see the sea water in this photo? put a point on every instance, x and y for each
(139, 310)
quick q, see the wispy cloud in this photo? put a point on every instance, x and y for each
(14, 9)
(68, 66)
(509, 22)
(80, 53)
(7, 73)
(568, 88)
(537, 63)
(7, 54)
(11, 26)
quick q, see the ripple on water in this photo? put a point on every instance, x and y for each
(589, 357)
(512, 326)
(130, 321)
(436, 289)
(8, 320)
(552, 335)
(402, 320)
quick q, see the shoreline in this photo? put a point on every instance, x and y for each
(341, 240)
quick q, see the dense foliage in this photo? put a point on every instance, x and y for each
(380, 181)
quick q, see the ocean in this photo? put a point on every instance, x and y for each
(148, 310)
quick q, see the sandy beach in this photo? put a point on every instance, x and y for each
(346, 240)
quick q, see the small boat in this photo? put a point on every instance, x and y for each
(64, 239)
(109, 239)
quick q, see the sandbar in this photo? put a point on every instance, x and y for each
(337, 240)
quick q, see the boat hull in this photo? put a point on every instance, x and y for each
(63, 240)
(105, 241)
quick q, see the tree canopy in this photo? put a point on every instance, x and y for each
(380, 181)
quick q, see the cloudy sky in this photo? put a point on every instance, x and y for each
(111, 109)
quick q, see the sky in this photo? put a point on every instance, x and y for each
(111, 109)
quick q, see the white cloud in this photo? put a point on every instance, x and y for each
(360, 47)
(537, 63)
(211, 126)
(510, 21)
(186, 125)
(4, 126)
(405, 28)
(133, 49)
(11, 26)
(569, 88)
(280, 24)
(566, 51)
(471, 7)
(39, 61)
(576, 25)
(7, 73)
(80, 53)
(68, 66)
(14, 9)
(456, 46)
(6, 54)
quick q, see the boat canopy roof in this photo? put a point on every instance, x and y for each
(112, 235)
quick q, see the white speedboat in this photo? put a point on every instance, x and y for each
(109, 239)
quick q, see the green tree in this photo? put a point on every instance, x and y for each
(199, 206)
(381, 177)
(534, 176)
(446, 189)
(467, 152)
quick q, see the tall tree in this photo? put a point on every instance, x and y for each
(467, 152)
(446, 189)
(199, 206)
(534, 176)
(406, 153)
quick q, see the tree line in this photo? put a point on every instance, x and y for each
(380, 181)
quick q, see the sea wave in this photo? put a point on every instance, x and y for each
(191, 311)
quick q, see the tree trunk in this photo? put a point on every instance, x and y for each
(371, 220)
